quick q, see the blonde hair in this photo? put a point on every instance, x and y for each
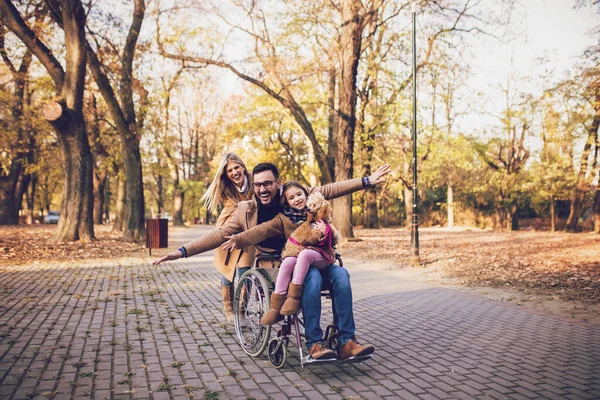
(221, 186)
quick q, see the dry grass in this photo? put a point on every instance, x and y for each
(567, 265)
(27, 244)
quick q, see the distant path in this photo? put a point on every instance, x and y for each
(134, 331)
(180, 235)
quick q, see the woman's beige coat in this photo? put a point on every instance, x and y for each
(226, 261)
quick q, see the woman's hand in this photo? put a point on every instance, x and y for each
(228, 245)
(320, 225)
(378, 176)
(174, 255)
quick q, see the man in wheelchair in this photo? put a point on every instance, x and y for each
(265, 206)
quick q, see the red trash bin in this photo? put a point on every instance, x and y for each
(157, 233)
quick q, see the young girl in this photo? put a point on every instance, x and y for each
(315, 248)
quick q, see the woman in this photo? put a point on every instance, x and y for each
(232, 183)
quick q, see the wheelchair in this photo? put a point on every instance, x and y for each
(252, 300)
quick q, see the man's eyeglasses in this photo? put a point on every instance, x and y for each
(266, 184)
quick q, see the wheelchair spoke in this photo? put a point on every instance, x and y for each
(252, 298)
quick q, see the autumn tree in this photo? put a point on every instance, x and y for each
(168, 147)
(17, 137)
(589, 93)
(105, 154)
(506, 153)
(65, 114)
(121, 107)
(551, 174)
(183, 132)
(279, 81)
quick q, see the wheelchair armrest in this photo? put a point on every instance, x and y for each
(268, 257)
(338, 257)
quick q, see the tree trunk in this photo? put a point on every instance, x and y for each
(27, 142)
(514, 217)
(575, 209)
(8, 184)
(135, 230)
(331, 123)
(385, 204)
(450, 200)
(100, 159)
(582, 185)
(11, 186)
(124, 118)
(500, 220)
(65, 115)
(99, 190)
(371, 219)
(552, 215)
(31, 199)
(350, 44)
(596, 210)
(107, 198)
(178, 197)
(160, 203)
(119, 224)
(21, 189)
(76, 210)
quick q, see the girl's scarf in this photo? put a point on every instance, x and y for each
(296, 216)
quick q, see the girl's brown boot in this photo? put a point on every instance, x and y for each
(272, 316)
(294, 299)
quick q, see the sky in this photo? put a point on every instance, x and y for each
(552, 31)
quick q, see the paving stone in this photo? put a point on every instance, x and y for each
(431, 342)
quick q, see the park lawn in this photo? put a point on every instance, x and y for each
(561, 264)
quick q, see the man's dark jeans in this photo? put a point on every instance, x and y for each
(337, 280)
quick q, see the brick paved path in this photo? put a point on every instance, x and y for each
(136, 331)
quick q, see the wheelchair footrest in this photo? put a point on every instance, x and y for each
(358, 359)
(310, 360)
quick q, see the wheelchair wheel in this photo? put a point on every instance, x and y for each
(278, 352)
(251, 302)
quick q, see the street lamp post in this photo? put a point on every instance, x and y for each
(414, 259)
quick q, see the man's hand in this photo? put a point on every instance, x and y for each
(228, 245)
(379, 174)
(174, 255)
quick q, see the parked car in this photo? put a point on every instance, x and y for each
(52, 217)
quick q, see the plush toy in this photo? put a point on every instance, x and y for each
(309, 236)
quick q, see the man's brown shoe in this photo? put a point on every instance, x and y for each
(320, 352)
(352, 349)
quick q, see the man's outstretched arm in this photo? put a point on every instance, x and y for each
(206, 242)
(257, 234)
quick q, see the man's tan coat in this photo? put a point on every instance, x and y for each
(246, 217)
